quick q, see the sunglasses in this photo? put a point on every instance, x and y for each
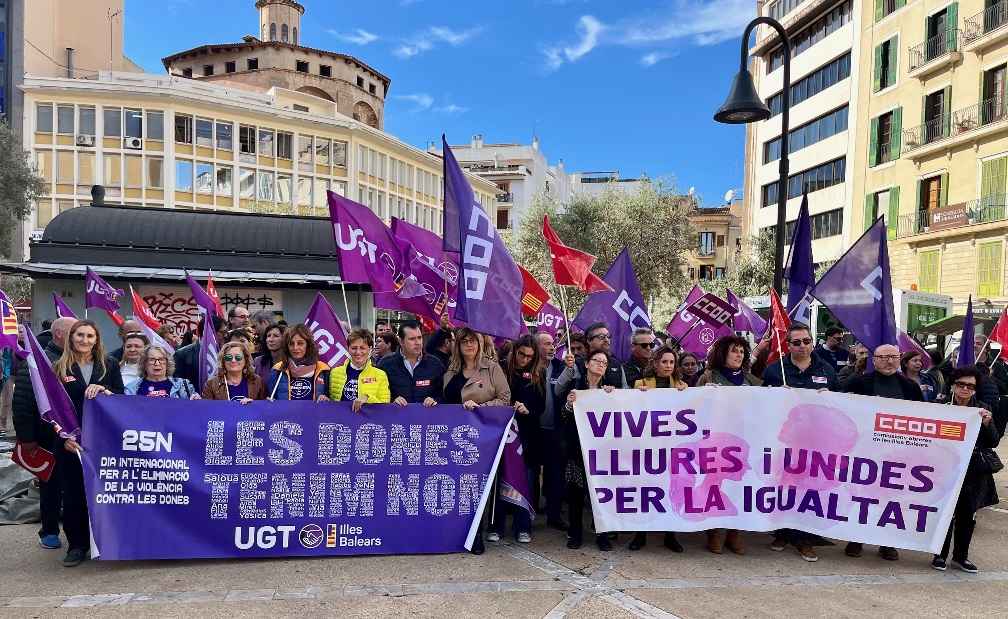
(645, 344)
(234, 357)
(966, 386)
(601, 336)
(804, 342)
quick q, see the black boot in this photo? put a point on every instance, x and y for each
(478, 548)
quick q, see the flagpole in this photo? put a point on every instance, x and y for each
(797, 305)
(982, 349)
(346, 306)
(563, 302)
(780, 350)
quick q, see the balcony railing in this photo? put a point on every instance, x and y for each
(988, 111)
(982, 210)
(505, 197)
(934, 48)
(931, 131)
(994, 18)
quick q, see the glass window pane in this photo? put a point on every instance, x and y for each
(113, 122)
(204, 178)
(265, 187)
(155, 126)
(320, 198)
(65, 119)
(322, 147)
(224, 180)
(246, 184)
(224, 131)
(113, 173)
(266, 143)
(304, 191)
(85, 168)
(183, 129)
(155, 173)
(284, 186)
(86, 121)
(134, 171)
(43, 118)
(305, 149)
(64, 167)
(204, 133)
(183, 175)
(43, 162)
(339, 154)
(134, 123)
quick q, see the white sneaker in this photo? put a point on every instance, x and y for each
(493, 537)
(524, 538)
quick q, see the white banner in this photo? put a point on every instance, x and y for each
(850, 467)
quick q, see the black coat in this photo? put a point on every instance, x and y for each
(980, 487)
(864, 384)
(28, 424)
(187, 362)
(426, 381)
(524, 391)
(112, 380)
(632, 371)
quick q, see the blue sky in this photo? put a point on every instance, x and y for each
(628, 86)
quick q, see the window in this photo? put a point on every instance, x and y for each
(806, 135)
(927, 271)
(884, 139)
(266, 143)
(720, 240)
(325, 70)
(224, 133)
(43, 118)
(941, 32)
(187, 72)
(360, 82)
(134, 170)
(204, 133)
(989, 269)
(208, 69)
(371, 88)
(204, 178)
(113, 173)
(305, 151)
(183, 175)
(992, 190)
(992, 105)
(85, 168)
(300, 108)
(884, 7)
(886, 64)
(294, 39)
(820, 177)
(502, 219)
(781, 8)
(322, 150)
(706, 243)
(246, 184)
(134, 123)
(272, 32)
(264, 186)
(224, 180)
(229, 66)
(155, 125)
(814, 33)
(86, 121)
(64, 166)
(183, 129)
(284, 145)
(301, 66)
(937, 115)
(155, 173)
(814, 83)
(65, 119)
(283, 33)
(252, 64)
(246, 139)
(113, 122)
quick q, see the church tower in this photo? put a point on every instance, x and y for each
(280, 20)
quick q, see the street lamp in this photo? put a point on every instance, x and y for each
(744, 106)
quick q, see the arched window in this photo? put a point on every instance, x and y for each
(264, 32)
(294, 39)
(272, 32)
(283, 33)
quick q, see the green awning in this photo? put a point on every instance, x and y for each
(952, 324)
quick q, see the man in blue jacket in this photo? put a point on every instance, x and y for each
(415, 377)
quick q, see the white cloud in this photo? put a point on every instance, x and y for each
(430, 37)
(451, 108)
(588, 28)
(357, 37)
(652, 58)
(421, 101)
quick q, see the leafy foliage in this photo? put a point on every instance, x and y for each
(16, 286)
(20, 185)
(754, 269)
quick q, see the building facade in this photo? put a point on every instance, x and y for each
(934, 134)
(719, 239)
(597, 183)
(825, 57)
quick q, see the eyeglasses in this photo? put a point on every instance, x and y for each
(688, 364)
(886, 357)
(645, 344)
(597, 360)
(234, 357)
(156, 360)
(468, 340)
(966, 386)
(601, 336)
(804, 342)
(519, 354)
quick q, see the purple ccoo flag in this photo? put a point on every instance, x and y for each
(622, 309)
(695, 339)
(858, 290)
(746, 318)
(798, 269)
(491, 285)
(325, 326)
(62, 311)
(54, 404)
(208, 350)
(203, 301)
(365, 249)
(967, 349)
(100, 294)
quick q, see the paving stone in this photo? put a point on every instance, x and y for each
(112, 599)
(37, 602)
(250, 595)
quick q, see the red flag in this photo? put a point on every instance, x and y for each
(779, 323)
(212, 291)
(143, 313)
(116, 318)
(572, 267)
(1000, 334)
(40, 463)
(534, 296)
(428, 324)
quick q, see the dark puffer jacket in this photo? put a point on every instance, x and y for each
(28, 424)
(426, 381)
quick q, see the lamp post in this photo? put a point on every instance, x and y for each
(744, 106)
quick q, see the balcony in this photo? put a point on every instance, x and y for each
(505, 198)
(936, 54)
(962, 126)
(975, 212)
(986, 29)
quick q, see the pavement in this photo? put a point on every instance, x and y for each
(540, 579)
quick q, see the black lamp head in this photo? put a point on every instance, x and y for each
(743, 104)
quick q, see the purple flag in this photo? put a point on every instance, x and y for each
(429, 247)
(491, 285)
(967, 350)
(325, 326)
(100, 294)
(798, 269)
(208, 350)
(8, 324)
(203, 301)
(699, 339)
(514, 486)
(53, 402)
(425, 291)
(365, 249)
(858, 290)
(62, 310)
(550, 319)
(622, 309)
(907, 343)
(746, 318)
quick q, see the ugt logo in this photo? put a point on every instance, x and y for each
(356, 240)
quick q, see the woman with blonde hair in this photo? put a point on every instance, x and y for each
(357, 380)
(299, 375)
(235, 379)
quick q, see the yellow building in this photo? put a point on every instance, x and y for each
(932, 142)
(719, 232)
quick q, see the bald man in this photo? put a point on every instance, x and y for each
(884, 381)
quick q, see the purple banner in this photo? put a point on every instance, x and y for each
(329, 336)
(208, 350)
(100, 294)
(514, 486)
(365, 249)
(699, 339)
(622, 309)
(550, 319)
(214, 479)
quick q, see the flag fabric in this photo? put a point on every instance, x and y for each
(208, 350)
(967, 350)
(203, 301)
(428, 247)
(328, 332)
(571, 267)
(425, 290)
(490, 284)
(54, 404)
(622, 308)
(142, 312)
(799, 270)
(534, 296)
(779, 323)
(154, 338)
(1000, 334)
(514, 484)
(550, 319)
(116, 318)
(905, 343)
(746, 318)
(858, 290)
(62, 310)
(365, 248)
(696, 339)
(100, 294)
(212, 291)
(8, 325)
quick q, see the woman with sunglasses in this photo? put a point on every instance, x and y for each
(269, 344)
(235, 380)
(978, 488)
(155, 380)
(689, 367)
(133, 346)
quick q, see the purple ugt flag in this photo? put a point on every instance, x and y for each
(429, 246)
(54, 404)
(328, 332)
(100, 294)
(695, 339)
(550, 319)
(426, 289)
(967, 350)
(365, 249)
(208, 349)
(858, 290)
(746, 318)
(622, 309)
(490, 284)
(62, 311)
(203, 301)
(798, 269)
(8, 324)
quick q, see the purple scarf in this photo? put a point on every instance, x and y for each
(735, 377)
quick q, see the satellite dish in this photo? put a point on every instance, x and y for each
(729, 195)
(692, 190)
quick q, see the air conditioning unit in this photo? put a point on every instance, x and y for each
(134, 143)
(85, 140)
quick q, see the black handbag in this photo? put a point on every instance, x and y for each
(985, 462)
